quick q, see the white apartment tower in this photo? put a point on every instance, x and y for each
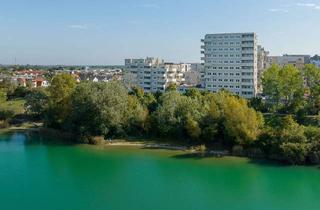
(230, 62)
(154, 75)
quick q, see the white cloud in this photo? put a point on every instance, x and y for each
(149, 6)
(306, 5)
(79, 26)
(278, 10)
(309, 5)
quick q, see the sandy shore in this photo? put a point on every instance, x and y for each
(147, 145)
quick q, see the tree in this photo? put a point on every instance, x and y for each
(3, 95)
(284, 85)
(292, 89)
(295, 153)
(271, 84)
(62, 86)
(177, 115)
(285, 140)
(36, 102)
(312, 80)
(241, 123)
(135, 116)
(192, 127)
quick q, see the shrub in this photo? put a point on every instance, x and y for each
(295, 153)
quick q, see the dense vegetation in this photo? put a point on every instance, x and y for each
(195, 118)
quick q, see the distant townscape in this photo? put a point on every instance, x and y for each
(240, 100)
(231, 61)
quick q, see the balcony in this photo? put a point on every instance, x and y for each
(202, 40)
(202, 51)
(203, 47)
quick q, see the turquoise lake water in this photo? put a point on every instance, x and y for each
(38, 176)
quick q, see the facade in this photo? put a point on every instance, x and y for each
(195, 75)
(230, 62)
(316, 63)
(154, 75)
(296, 60)
(262, 64)
(315, 60)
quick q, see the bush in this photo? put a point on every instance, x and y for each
(295, 153)
(6, 114)
(255, 153)
(314, 153)
(238, 150)
(312, 133)
(4, 124)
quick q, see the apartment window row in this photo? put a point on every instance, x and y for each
(223, 43)
(222, 49)
(223, 55)
(247, 80)
(223, 74)
(223, 37)
(224, 62)
(223, 67)
(247, 87)
(148, 72)
(223, 86)
(222, 80)
(247, 93)
(247, 73)
(152, 83)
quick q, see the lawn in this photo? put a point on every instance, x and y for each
(16, 105)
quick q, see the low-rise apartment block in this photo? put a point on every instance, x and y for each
(153, 74)
(296, 60)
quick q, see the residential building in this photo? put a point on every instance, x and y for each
(153, 74)
(230, 62)
(316, 63)
(315, 60)
(195, 75)
(262, 64)
(296, 60)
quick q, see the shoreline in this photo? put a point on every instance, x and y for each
(152, 144)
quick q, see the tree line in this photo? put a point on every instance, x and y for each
(272, 128)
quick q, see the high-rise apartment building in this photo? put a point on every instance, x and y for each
(153, 74)
(230, 62)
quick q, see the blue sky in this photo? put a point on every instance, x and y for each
(107, 31)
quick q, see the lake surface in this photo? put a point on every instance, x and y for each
(38, 176)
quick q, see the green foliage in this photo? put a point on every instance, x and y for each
(62, 86)
(7, 86)
(295, 153)
(288, 141)
(3, 96)
(19, 92)
(314, 153)
(192, 127)
(284, 85)
(105, 109)
(271, 84)
(242, 124)
(312, 79)
(36, 102)
(6, 114)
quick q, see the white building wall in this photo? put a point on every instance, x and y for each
(153, 75)
(230, 62)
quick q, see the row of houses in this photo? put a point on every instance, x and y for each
(30, 78)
